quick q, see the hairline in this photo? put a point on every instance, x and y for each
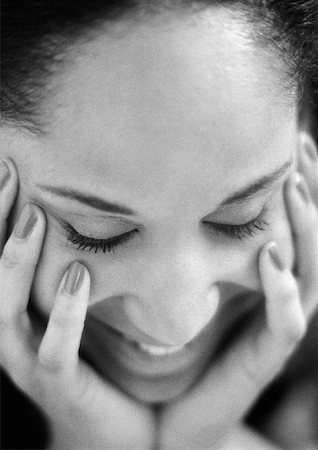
(141, 13)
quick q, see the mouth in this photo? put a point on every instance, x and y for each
(151, 371)
(153, 350)
(147, 372)
(145, 347)
(159, 351)
(112, 348)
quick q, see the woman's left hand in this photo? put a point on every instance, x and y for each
(210, 416)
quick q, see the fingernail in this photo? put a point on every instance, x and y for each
(303, 190)
(26, 222)
(4, 174)
(311, 149)
(276, 257)
(74, 278)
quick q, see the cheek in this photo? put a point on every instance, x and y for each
(233, 263)
(108, 276)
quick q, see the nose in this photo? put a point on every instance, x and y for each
(177, 298)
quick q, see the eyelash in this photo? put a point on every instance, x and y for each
(104, 245)
(242, 231)
(107, 245)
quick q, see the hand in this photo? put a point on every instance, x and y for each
(298, 410)
(208, 414)
(84, 411)
(242, 438)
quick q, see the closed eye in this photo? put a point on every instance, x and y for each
(240, 231)
(92, 244)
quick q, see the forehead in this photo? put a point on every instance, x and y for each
(170, 102)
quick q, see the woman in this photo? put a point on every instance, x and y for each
(164, 193)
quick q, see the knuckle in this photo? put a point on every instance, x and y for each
(308, 223)
(294, 333)
(10, 259)
(314, 219)
(311, 220)
(290, 294)
(60, 320)
(6, 320)
(5, 324)
(251, 365)
(294, 327)
(65, 316)
(253, 374)
(48, 362)
(13, 258)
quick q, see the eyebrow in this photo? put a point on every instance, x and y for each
(257, 186)
(90, 200)
(107, 206)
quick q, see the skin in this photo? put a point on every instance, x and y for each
(174, 117)
(129, 135)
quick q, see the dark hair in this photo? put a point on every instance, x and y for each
(37, 34)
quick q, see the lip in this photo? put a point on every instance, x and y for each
(143, 376)
(113, 347)
(151, 378)
(131, 340)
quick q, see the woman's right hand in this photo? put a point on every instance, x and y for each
(83, 410)
(211, 414)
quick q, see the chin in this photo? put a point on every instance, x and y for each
(156, 389)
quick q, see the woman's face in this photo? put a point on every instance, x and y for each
(160, 129)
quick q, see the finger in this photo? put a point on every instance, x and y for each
(18, 262)
(8, 192)
(244, 438)
(304, 220)
(231, 387)
(308, 163)
(260, 355)
(285, 319)
(17, 266)
(60, 345)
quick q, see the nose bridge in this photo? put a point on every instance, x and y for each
(177, 296)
